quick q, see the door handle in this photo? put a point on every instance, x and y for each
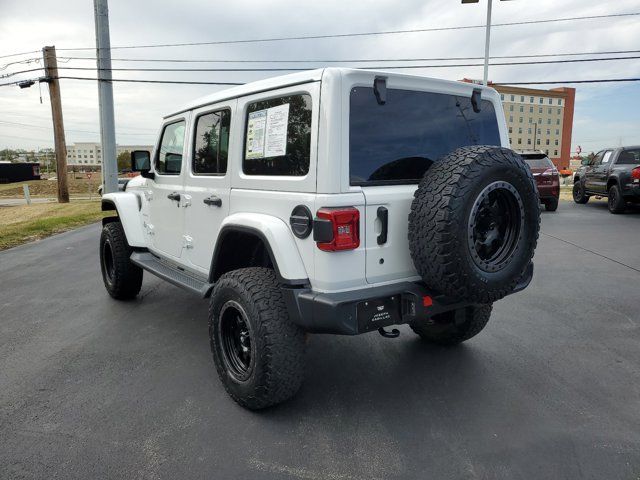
(174, 196)
(213, 200)
(383, 215)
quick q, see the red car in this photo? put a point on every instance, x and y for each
(547, 178)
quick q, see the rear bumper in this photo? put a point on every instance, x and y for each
(361, 311)
(631, 190)
(548, 192)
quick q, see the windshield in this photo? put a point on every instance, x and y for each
(398, 141)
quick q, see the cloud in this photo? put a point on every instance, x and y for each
(140, 107)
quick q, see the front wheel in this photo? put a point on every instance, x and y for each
(453, 327)
(122, 279)
(578, 194)
(615, 200)
(258, 352)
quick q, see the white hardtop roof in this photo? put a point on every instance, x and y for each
(297, 79)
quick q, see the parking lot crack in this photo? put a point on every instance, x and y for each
(591, 251)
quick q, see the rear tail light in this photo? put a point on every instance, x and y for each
(635, 173)
(337, 229)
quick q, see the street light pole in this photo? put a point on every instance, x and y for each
(487, 42)
(485, 78)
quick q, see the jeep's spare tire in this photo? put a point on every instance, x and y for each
(474, 223)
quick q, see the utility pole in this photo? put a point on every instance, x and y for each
(105, 97)
(485, 78)
(51, 73)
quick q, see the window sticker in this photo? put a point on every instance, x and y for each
(276, 137)
(267, 132)
(255, 134)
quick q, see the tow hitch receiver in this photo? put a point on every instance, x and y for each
(395, 333)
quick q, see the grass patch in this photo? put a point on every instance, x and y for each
(26, 223)
(49, 188)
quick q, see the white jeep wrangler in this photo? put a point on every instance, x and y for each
(330, 201)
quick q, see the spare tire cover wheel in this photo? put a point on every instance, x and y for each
(474, 223)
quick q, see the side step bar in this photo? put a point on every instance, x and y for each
(187, 280)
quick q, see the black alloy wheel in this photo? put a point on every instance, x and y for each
(235, 336)
(107, 261)
(495, 226)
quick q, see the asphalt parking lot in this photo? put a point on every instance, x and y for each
(93, 388)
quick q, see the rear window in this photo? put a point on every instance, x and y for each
(278, 136)
(538, 161)
(398, 141)
(629, 157)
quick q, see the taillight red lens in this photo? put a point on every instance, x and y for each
(345, 223)
(635, 173)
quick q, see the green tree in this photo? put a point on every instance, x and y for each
(124, 160)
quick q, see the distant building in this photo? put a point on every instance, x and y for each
(90, 153)
(539, 120)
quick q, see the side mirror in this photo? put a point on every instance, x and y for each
(585, 162)
(141, 162)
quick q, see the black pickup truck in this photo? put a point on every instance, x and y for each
(613, 173)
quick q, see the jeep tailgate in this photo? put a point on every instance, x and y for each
(388, 258)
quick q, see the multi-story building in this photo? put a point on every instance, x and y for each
(90, 153)
(539, 120)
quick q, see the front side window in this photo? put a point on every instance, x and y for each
(398, 141)
(169, 158)
(211, 143)
(278, 136)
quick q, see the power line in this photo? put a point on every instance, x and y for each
(606, 80)
(431, 59)
(11, 74)
(369, 67)
(362, 34)
(68, 129)
(18, 54)
(178, 82)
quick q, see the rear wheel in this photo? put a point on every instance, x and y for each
(454, 327)
(122, 279)
(615, 200)
(551, 205)
(578, 193)
(258, 352)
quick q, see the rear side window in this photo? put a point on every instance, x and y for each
(629, 157)
(398, 141)
(169, 158)
(278, 136)
(211, 143)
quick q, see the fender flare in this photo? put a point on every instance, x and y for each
(127, 205)
(278, 241)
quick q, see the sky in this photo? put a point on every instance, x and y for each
(605, 114)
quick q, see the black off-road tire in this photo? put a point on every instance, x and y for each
(122, 279)
(551, 205)
(454, 327)
(444, 212)
(275, 367)
(578, 193)
(615, 200)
